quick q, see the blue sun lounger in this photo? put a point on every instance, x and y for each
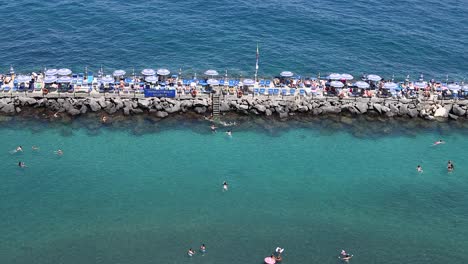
(256, 90)
(262, 90)
(262, 83)
(267, 83)
(270, 91)
(292, 91)
(284, 91)
(231, 83)
(302, 92)
(221, 82)
(276, 91)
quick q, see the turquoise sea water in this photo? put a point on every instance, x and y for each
(372, 36)
(115, 197)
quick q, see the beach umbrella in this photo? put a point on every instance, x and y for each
(64, 71)
(51, 72)
(420, 85)
(151, 79)
(148, 72)
(390, 85)
(286, 74)
(334, 76)
(337, 84)
(50, 79)
(163, 72)
(346, 76)
(373, 77)
(118, 73)
(23, 78)
(212, 82)
(248, 82)
(465, 88)
(453, 86)
(362, 85)
(211, 73)
(64, 79)
(107, 79)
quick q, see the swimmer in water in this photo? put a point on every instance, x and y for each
(229, 133)
(419, 168)
(21, 164)
(203, 248)
(19, 149)
(438, 142)
(56, 114)
(213, 128)
(59, 152)
(279, 250)
(345, 256)
(450, 166)
(35, 148)
(190, 252)
(225, 186)
(104, 119)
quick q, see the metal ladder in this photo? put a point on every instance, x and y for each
(215, 104)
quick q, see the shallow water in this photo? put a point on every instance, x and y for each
(120, 197)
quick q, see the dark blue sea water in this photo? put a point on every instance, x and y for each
(307, 37)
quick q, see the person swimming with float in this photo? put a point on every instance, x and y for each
(190, 252)
(438, 142)
(345, 256)
(419, 168)
(225, 186)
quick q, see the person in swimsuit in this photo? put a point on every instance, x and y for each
(203, 248)
(21, 164)
(229, 133)
(419, 168)
(35, 148)
(225, 186)
(19, 149)
(438, 142)
(59, 152)
(450, 166)
(190, 252)
(213, 128)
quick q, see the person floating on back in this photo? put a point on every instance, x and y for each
(438, 142)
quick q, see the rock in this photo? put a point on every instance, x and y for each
(224, 107)
(161, 114)
(317, 111)
(144, 103)
(136, 110)
(394, 109)
(331, 109)
(260, 108)
(441, 112)
(174, 109)
(8, 108)
(18, 109)
(378, 108)
(283, 115)
(93, 105)
(126, 111)
(361, 107)
(200, 109)
(268, 112)
(83, 109)
(242, 107)
(72, 111)
(27, 101)
(303, 108)
(413, 112)
(403, 110)
(457, 110)
(200, 102)
(118, 103)
(452, 116)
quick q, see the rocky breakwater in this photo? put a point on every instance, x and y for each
(261, 105)
(161, 107)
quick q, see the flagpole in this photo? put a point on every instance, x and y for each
(256, 65)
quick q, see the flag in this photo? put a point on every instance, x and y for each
(256, 64)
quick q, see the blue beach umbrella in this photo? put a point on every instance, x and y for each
(454, 86)
(334, 76)
(151, 79)
(248, 82)
(374, 78)
(64, 72)
(212, 82)
(64, 79)
(286, 74)
(390, 85)
(51, 72)
(362, 85)
(465, 87)
(148, 72)
(118, 73)
(50, 79)
(337, 84)
(211, 73)
(23, 78)
(163, 72)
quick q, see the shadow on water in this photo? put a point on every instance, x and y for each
(367, 126)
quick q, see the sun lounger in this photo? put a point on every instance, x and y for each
(231, 83)
(262, 83)
(221, 82)
(284, 91)
(276, 91)
(262, 90)
(256, 90)
(302, 92)
(292, 91)
(267, 83)
(270, 91)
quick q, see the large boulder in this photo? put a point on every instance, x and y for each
(378, 108)
(27, 101)
(457, 110)
(268, 112)
(8, 108)
(260, 108)
(362, 107)
(161, 114)
(441, 112)
(200, 109)
(331, 109)
(200, 103)
(94, 105)
(175, 108)
(413, 112)
(403, 109)
(224, 107)
(72, 111)
(144, 103)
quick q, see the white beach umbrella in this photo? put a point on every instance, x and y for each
(337, 84)
(334, 76)
(118, 73)
(64, 72)
(287, 74)
(163, 72)
(151, 79)
(211, 73)
(420, 85)
(23, 78)
(212, 82)
(346, 76)
(107, 79)
(373, 77)
(148, 72)
(390, 85)
(50, 79)
(362, 85)
(51, 72)
(64, 79)
(454, 86)
(248, 82)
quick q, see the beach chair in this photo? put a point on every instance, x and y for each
(31, 87)
(262, 83)
(256, 90)
(90, 78)
(236, 82)
(270, 91)
(284, 91)
(267, 83)
(231, 83)
(292, 91)
(276, 91)
(302, 92)
(6, 88)
(262, 90)
(221, 82)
